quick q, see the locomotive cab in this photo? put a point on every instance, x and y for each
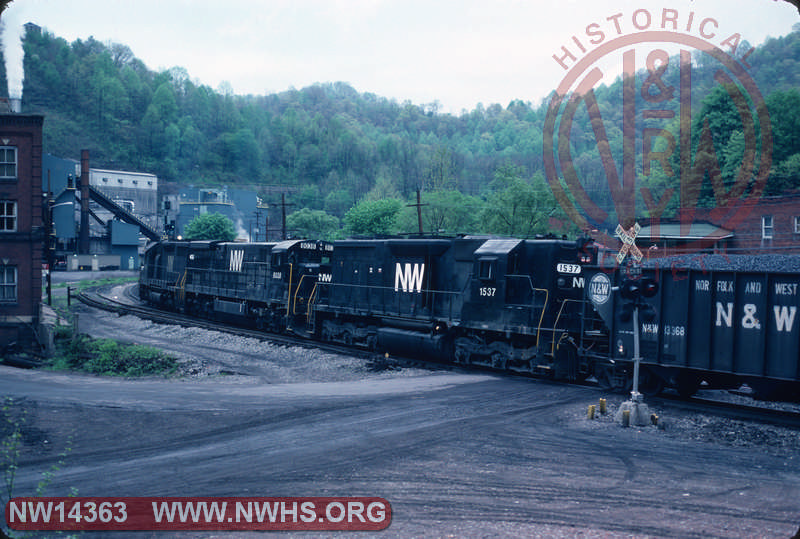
(295, 269)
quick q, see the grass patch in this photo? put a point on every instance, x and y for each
(111, 358)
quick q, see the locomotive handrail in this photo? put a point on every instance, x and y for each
(297, 291)
(182, 286)
(448, 294)
(558, 316)
(311, 302)
(289, 292)
(541, 316)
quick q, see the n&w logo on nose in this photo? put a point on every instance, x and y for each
(408, 278)
(236, 260)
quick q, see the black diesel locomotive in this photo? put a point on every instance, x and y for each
(540, 306)
(505, 303)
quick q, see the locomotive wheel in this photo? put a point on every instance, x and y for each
(461, 355)
(499, 360)
(347, 338)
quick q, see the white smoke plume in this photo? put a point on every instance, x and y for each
(12, 33)
(241, 233)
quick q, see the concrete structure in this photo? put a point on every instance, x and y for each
(21, 228)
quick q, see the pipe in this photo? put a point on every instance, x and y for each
(83, 244)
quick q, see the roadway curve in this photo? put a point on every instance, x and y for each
(462, 454)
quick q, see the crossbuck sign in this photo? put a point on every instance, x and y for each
(628, 245)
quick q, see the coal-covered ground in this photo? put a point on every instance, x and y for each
(724, 262)
(457, 454)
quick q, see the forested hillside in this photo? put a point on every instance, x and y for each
(480, 171)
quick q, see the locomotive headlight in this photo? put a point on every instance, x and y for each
(620, 347)
(561, 282)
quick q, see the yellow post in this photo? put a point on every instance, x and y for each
(654, 419)
(626, 418)
(590, 413)
(603, 409)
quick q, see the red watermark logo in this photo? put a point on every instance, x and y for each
(656, 124)
(183, 513)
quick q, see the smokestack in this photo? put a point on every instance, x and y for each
(83, 240)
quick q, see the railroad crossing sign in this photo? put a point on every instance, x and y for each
(628, 245)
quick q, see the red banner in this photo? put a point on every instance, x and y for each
(192, 513)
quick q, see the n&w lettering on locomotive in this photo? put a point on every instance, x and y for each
(408, 277)
(237, 256)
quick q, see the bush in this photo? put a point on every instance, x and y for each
(108, 357)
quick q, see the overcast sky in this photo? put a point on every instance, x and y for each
(459, 52)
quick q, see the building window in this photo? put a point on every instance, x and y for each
(8, 162)
(797, 225)
(766, 227)
(8, 216)
(8, 284)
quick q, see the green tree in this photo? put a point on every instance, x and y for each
(373, 217)
(443, 212)
(518, 207)
(210, 226)
(313, 224)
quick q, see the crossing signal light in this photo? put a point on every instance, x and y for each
(633, 289)
(630, 289)
(649, 287)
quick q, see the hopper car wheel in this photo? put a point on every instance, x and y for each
(605, 378)
(650, 384)
(687, 385)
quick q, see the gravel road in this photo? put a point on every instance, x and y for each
(457, 454)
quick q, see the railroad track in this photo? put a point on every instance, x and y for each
(731, 410)
(744, 412)
(100, 301)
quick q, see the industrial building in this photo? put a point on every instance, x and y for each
(21, 229)
(98, 214)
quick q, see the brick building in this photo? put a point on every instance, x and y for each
(771, 226)
(21, 230)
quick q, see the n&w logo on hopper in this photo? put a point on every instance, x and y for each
(408, 277)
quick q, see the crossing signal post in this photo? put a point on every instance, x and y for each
(633, 291)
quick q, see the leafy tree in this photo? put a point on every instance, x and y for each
(210, 226)
(373, 217)
(784, 176)
(784, 115)
(519, 208)
(313, 224)
(443, 212)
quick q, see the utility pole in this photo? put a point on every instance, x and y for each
(283, 215)
(49, 237)
(418, 205)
